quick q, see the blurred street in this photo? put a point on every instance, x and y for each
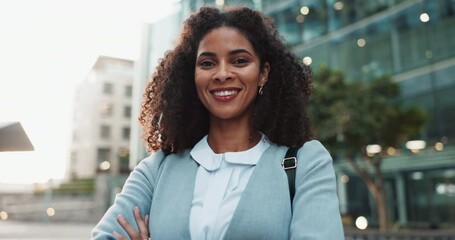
(39, 230)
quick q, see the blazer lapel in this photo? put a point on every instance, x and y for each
(172, 198)
(264, 210)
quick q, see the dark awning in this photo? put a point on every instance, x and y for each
(14, 138)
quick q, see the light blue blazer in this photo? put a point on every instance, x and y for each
(163, 188)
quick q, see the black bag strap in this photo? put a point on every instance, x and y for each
(289, 164)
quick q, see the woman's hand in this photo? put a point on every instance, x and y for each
(141, 223)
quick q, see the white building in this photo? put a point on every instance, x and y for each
(102, 119)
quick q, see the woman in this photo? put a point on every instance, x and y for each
(220, 112)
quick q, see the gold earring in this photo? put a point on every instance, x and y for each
(261, 90)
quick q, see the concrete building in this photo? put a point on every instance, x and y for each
(411, 40)
(102, 119)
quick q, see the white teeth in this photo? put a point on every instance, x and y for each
(225, 93)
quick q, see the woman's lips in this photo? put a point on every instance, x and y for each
(225, 95)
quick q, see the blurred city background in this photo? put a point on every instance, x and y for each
(384, 105)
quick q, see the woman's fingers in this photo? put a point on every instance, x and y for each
(141, 223)
(128, 228)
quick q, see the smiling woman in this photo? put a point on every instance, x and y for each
(220, 113)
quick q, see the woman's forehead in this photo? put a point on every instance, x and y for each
(224, 37)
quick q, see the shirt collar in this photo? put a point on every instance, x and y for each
(211, 161)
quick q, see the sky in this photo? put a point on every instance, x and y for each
(47, 47)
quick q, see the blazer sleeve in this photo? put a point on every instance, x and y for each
(137, 191)
(316, 212)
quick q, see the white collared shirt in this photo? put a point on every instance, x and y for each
(220, 181)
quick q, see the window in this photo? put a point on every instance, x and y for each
(105, 132)
(108, 88)
(128, 91)
(126, 133)
(103, 154)
(127, 111)
(124, 156)
(106, 109)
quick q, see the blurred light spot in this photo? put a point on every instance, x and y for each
(439, 146)
(307, 60)
(220, 2)
(305, 10)
(361, 223)
(373, 149)
(445, 188)
(391, 151)
(440, 189)
(50, 212)
(105, 165)
(417, 176)
(361, 42)
(3, 215)
(344, 179)
(429, 54)
(339, 5)
(300, 19)
(415, 145)
(424, 17)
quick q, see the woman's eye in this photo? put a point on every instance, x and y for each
(240, 61)
(206, 64)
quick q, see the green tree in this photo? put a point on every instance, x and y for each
(349, 116)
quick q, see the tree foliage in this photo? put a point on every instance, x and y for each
(348, 116)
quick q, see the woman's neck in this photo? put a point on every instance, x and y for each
(231, 136)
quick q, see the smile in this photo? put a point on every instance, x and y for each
(225, 93)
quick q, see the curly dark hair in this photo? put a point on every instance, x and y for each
(174, 118)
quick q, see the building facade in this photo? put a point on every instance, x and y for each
(410, 40)
(102, 119)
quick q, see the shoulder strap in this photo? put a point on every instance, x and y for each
(289, 164)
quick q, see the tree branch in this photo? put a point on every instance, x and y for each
(364, 175)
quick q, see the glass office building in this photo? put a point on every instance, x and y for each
(411, 40)
(414, 42)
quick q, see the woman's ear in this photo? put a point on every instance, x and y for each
(264, 76)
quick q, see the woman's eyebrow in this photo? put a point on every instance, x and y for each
(207, 54)
(232, 52)
(240, 50)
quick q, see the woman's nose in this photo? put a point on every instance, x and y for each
(223, 73)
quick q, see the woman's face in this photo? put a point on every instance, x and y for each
(228, 73)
